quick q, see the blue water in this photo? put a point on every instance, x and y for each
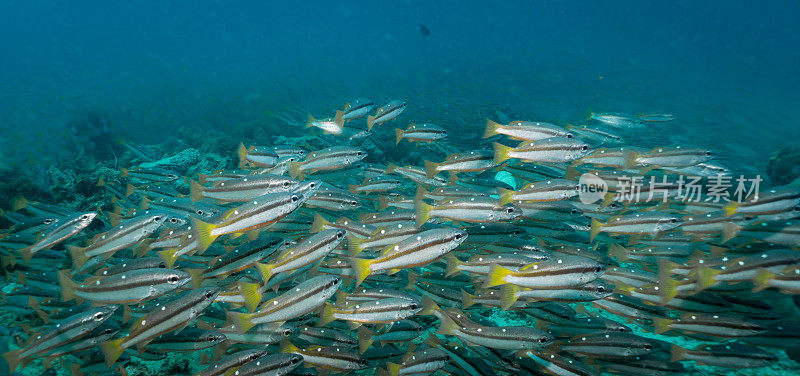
(172, 77)
(719, 66)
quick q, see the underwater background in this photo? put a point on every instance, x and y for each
(86, 85)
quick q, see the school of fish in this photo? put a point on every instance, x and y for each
(308, 261)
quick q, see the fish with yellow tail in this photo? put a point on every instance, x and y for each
(259, 213)
(414, 251)
(385, 113)
(173, 315)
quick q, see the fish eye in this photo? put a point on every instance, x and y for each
(295, 198)
(575, 211)
(157, 219)
(199, 212)
(598, 269)
(359, 153)
(362, 361)
(286, 184)
(353, 203)
(413, 306)
(312, 185)
(622, 329)
(294, 360)
(99, 316)
(568, 135)
(584, 148)
(173, 279)
(542, 339)
(211, 339)
(287, 332)
(509, 210)
(673, 220)
(748, 218)
(647, 346)
(708, 153)
(253, 357)
(458, 236)
(601, 289)
(339, 235)
(209, 294)
(108, 331)
(173, 220)
(85, 216)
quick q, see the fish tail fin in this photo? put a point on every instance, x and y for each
(421, 193)
(168, 255)
(661, 325)
(428, 307)
(112, 350)
(197, 276)
(294, 170)
(242, 153)
(392, 368)
(288, 347)
(497, 276)
(203, 234)
(195, 190)
(361, 268)
(398, 135)
(383, 202)
(506, 195)
(729, 231)
(364, 338)
(319, 223)
(326, 315)
(310, 122)
(631, 159)
(338, 119)
(78, 255)
(453, 264)
(491, 128)
(251, 294)
(240, 320)
(761, 279)
(619, 252)
(467, 299)
(13, 359)
(18, 203)
(67, 286)
(706, 277)
(730, 209)
(669, 289)
(508, 295)
(354, 245)
(431, 169)
(423, 211)
(501, 152)
(265, 270)
(27, 253)
(677, 353)
(447, 326)
(370, 122)
(572, 172)
(596, 227)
